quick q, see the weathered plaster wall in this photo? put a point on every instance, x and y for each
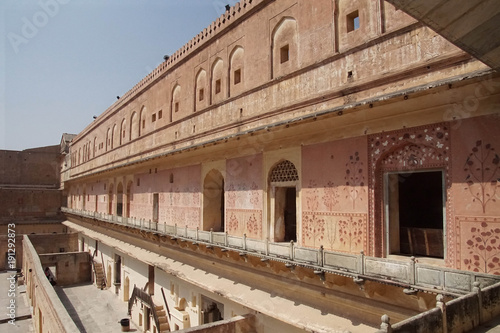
(29, 182)
(49, 314)
(38, 166)
(179, 195)
(475, 194)
(335, 195)
(71, 268)
(244, 196)
(54, 243)
(29, 203)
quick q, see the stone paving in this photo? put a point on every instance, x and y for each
(94, 310)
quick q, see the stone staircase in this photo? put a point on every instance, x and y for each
(162, 319)
(100, 279)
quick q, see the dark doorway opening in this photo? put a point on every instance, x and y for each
(416, 213)
(213, 202)
(156, 207)
(286, 214)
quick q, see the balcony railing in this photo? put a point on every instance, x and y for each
(405, 273)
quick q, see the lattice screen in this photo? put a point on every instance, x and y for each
(284, 172)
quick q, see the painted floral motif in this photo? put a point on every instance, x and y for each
(330, 196)
(351, 232)
(254, 226)
(331, 234)
(484, 249)
(233, 224)
(405, 150)
(355, 180)
(312, 201)
(482, 166)
(418, 147)
(314, 229)
(254, 195)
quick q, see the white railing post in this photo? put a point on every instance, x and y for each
(291, 250)
(320, 256)
(412, 274)
(442, 306)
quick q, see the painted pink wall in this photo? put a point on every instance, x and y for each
(244, 203)
(179, 201)
(335, 195)
(476, 193)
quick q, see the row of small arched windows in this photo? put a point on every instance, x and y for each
(210, 88)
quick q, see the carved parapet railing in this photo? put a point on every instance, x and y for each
(405, 273)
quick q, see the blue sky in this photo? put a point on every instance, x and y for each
(64, 61)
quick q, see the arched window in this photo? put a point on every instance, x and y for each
(236, 71)
(175, 105)
(142, 121)
(134, 126)
(115, 137)
(200, 90)
(94, 149)
(284, 48)
(217, 81)
(108, 139)
(123, 131)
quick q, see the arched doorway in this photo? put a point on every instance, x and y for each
(411, 187)
(110, 200)
(119, 199)
(213, 201)
(284, 180)
(84, 198)
(128, 198)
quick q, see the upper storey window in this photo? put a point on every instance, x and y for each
(352, 21)
(237, 76)
(134, 126)
(175, 105)
(236, 69)
(200, 88)
(285, 47)
(285, 53)
(217, 81)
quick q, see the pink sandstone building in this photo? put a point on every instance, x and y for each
(299, 166)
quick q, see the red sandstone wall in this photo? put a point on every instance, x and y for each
(179, 200)
(38, 166)
(28, 204)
